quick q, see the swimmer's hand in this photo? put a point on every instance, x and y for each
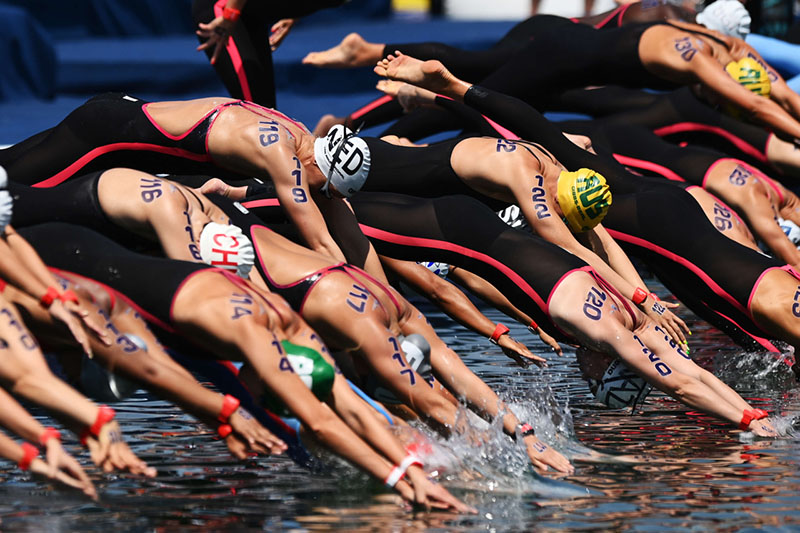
(75, 317)
(217, 186)
(63, 468)
(548, 340)
(110, 452)
(431, 495)
(254, 436)
(662, 316)
(763, 428)
(278, 32)
(519, 352)
(216, 34)
(543, 456)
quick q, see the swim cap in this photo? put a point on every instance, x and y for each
(225, 246)
(750, 74)
(6, 202)
(620, 387)
(344, 159)
(104, 385)
(440, 269)
(728, 17)
(790, 229)
(311, 368)
(584, 197)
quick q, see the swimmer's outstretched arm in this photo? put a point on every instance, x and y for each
(455, 303)
(463, 383)
(24, 372)
(59, 466)
(22, 267)
(14, 452)
(361, 417)
(242, 332)
(489, 293)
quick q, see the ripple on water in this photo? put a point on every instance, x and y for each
(662, 468)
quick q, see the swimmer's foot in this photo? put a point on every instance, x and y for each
(352, 52)
(408, 96)
(325, 123)
(431, 75)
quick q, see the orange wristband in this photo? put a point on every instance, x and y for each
(639, 296)
(229, 405)
(229, 13)
(499, 331)
(29, 453)
(47, 434)
(105, 414)
(49, 297)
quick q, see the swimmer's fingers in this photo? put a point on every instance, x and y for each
(257, 437)
(65, 477)
(550, 341)
(216, 34)
(236, 446)
(544, 457)
(119, 456)
(665, 318)
(763, 428)
(70, 468)
(278, 32)
(670, 305)
(123, 459)
(92, 321)
(432, 495)
(440, 498)
(519, 352)
(67, 318)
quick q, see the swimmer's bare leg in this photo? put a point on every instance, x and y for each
(353, 51)
(431, 75)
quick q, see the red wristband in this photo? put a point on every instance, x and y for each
(29, 453)
(47, 434)
(49, 297)
(229, 13)
(224, 430)
(229, 405)
(533, 326)
(105, 414)
(499, 331)
(639, 296)
(68, 296)
(655, 297)
(526, 430)
(748, 415)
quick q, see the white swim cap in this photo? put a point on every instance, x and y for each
(6, 210)
(440, 269)
(620, 387)
(728, 17)
(225, 246)
(344, 159)
(790, 229)
(3, 178)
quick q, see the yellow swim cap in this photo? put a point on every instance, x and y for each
(584, 197)
(750, 74)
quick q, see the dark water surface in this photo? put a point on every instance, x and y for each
(689, 471)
